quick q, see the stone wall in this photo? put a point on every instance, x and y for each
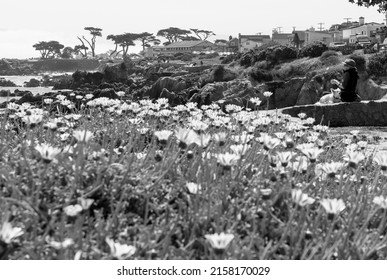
(365, 113)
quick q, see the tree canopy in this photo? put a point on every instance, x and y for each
(173, 34)
(202, 34)
(125, 41)
(48, 49)
(382, 4)
(146, 39)
(67, 52)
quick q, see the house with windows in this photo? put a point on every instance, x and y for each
(181, 47)
(315, 35)
(249, 42)
(366, 29)
(282, 38)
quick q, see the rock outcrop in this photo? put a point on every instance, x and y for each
(365, 113)
(369, 90)
(171, 84)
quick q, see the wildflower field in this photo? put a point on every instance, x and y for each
(84, 178)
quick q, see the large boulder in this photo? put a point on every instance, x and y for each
(218, 73)
(365, 113)
(91, 78)
(315, 87)
(32, 83)
(237, 92)
(115, 72)
(171, 84)
(369, 90)
(285, 94)
(209, 93)
(173, 98)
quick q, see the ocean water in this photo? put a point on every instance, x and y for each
(20, 80)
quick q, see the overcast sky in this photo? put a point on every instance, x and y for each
(26, 22)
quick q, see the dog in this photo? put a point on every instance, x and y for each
(330, 98)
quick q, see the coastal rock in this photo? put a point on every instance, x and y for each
(32, 83)
(237, 92)
(107, 92)
(115, 72)
(209, 93)
(369, 90)
(315, 87)
(173, 98)
(365, 113)
(83, 77)
(6, 83)
(169, 83)
(218, 73)
(285, 94)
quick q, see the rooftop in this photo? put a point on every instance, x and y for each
(185, 44)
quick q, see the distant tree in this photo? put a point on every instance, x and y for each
(217, 41)
(125, 41)
(116, 43)
(188, 38)
(67, 52)
(146, 39)
(94, 32)
(202, 34)
(79, 48)
(382, 4)
(48, 49)
(172, 34)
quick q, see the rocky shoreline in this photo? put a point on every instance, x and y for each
(223, 84)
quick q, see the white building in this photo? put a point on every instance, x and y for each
(362, 29)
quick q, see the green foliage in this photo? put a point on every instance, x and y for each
(382, 4)
(210, 55)
(6, 83)
(186, 57)
(230, 58)
(260, 75)
(281, 53)
(218, 73)
(49, 49)
(173, 34)
(360, 61)
(346, 50)
(271, 53)
(377, 65)
(314, 49)
(330, 57)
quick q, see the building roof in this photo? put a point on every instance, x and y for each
(254, 37)
(281, 36)
(301, 34)
(356, 26)
(185, 44)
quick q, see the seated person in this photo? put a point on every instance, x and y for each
(348, 86)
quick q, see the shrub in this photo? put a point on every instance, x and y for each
(247, 59)
(211, 55)
(346, 50)
(330, 57)
(360, 61)
(328, 53)
(186, 57)
(315, 49)
(261, 75)
(228, 59)
(6, 83)
(377, 65)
